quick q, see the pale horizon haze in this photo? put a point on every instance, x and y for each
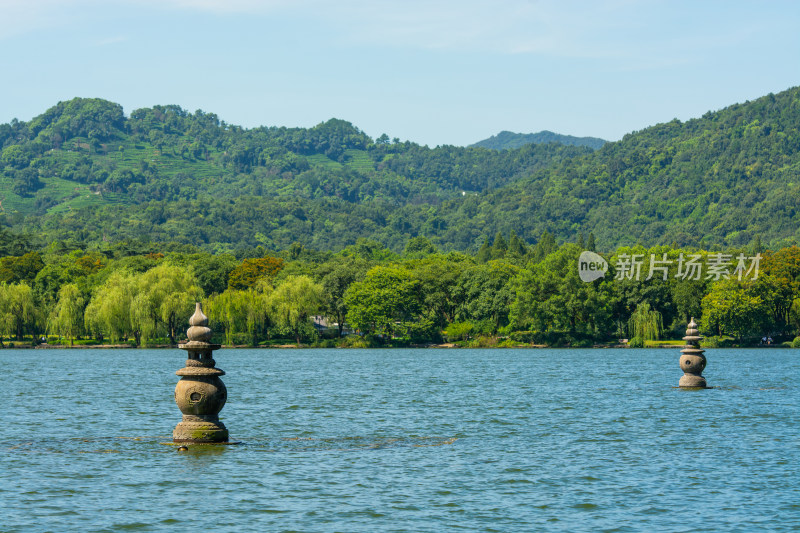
(433, 73)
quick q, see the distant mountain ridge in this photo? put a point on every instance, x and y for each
(85, 174)
(508, 140)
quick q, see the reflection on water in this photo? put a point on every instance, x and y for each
(405, 440)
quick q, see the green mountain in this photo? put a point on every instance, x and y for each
(506, 140)
(83, 172)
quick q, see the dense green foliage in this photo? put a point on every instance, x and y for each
(85, 174)
(513, 295)
(112, 226)
(506, 140)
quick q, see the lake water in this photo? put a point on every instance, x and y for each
(404, 440)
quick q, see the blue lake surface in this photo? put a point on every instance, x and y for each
(405, 440)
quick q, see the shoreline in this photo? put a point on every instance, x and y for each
(308, 347)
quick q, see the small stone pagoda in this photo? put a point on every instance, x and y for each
(692, 360)
(200, 394)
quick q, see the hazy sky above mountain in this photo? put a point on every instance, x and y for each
(447, 72)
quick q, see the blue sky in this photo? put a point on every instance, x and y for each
(447, 72)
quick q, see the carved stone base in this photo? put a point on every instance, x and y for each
(692, 381)
(200, 429)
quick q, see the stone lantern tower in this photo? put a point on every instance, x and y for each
(692, 360)
(200, 394)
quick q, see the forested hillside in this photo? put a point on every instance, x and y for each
(507, 140)
(86, 174)
(724, 179)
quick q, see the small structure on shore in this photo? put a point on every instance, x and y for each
(692, 360)
(200, 394)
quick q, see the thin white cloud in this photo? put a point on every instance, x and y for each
(252, 7)
(633, 33)
(18, 17)
(582, 29)
(112, 40)
(507, 26)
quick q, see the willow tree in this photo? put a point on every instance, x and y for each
(6, 317)
(143, 305)
(109, 310)
(645, 323)
(18, 312)
(257, 309)
(165, 297)
(294, 301)
(67, 317)
(225, 310)
(240, 311)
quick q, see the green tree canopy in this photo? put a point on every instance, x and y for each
(251, 271)
(731, 308)
(337, 276)
(386, 297)
(550, 297)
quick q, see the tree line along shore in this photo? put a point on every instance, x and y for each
(509, 293)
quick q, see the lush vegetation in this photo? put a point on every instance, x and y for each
(508, 294)
(506, 140)
(85, 174)
(111, 226)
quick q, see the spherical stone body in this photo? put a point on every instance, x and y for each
(692, 380)
(692, 364)
(200, 395)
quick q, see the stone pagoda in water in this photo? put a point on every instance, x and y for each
(200, 394)
(692, 360)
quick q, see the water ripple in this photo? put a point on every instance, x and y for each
(404, 440)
